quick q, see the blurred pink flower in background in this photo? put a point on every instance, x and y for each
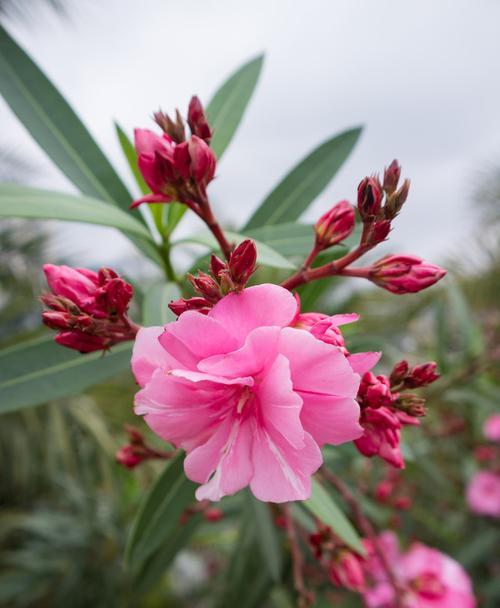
(249, 398)
(427, 578)
(491, 428)
(483, 493)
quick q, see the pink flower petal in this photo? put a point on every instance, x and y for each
(262, 305)
(328, 419)
(282, 473)
(316, 366)
(149, 355)
(363, 362)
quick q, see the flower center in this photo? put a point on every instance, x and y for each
(429, 586)
(245, 396)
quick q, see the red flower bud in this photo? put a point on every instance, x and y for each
(399, 372)
(369, 198)
(374, 391)
(128, 456)
(82, 342)
(403, 503)
(384, 490)
(213, 515)
(205, 286)
(242, 262)
(421, 375)
(402, 274)
(57, 319)
(174, 129)
(392, 174)
(335, 225)
(116, 296)
(202, 161)
(217, 266)
(181, 305)
(198, 121)
(378, 232)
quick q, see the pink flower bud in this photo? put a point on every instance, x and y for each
(80, 341)
(242, 262)
(399, 372)
(181, 305)
(217, 266)
(403, 503)
(155, 157)
(213, 514)
(115, 296)
(402, 274)
(421, 375)
(335, 225)
(76, 284)
(56, 319)
(198, 121)
(202, 161)
(384, 490)
(391, 177)
(369, 197)
(374, 391)
(206, 287)
(378, 232)
(346, 570)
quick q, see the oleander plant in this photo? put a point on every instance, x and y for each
(221, 434)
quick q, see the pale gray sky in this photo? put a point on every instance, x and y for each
(421, 75)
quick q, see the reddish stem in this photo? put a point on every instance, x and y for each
(368, 530)
(305, 596)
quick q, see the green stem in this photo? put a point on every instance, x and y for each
(167, 264)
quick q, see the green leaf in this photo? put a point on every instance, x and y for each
(226, 109)
(158, 517)
(175, 214)
(37, 371)
(303, 184)
(155, 310)
(290, 239)
(55, 126)
(266, 256)
(268, 538)
(322, 506)
(155, 567)
(31, 203)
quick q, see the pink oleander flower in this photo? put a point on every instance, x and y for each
(326, 328)
(491, 428)
(250, 399)
(427, 578)
(170, 168)
(483, 493)
(382, 434)
(402, 274)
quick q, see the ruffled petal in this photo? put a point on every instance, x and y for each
(148, 354)
(316, 366)
(258, 306)
(363, 362)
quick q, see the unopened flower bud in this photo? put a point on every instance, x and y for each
(198, 121)
(134, 434)
(56, 319)
(402, 274)
(403, 503)
(242, 262)
(374, 391)
(378, 232)
(399, 372)
(335, 225)
(346, 570)
(174, 129)
(217, 266)
(411, 404)
(202, 161)
(129, 457)
(384, 490)
(369, 198)
(80, 341)
(205, 286)
(392, 174)
(396, 200)
(421, 375)
(116, 296)
(182, 305)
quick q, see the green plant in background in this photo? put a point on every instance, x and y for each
(64, 535)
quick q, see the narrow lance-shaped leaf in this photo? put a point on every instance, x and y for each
(37, 371)
(268, 538)
(160, 513)
(226, 109)
(322, 506)
(58, 131)
(21, 201)
(305, 182)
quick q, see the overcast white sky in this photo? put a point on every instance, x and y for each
(421, 75)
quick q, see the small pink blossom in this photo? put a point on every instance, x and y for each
(326, 328)
(483, 493)
(346, 570)
(426, 577)
(491, 428)
(250, 399)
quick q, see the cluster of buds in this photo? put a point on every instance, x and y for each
(87, 308)
(224, 277)
(344, 566)
(136, 451)
(335, 225)
(176, 168)
(385, 410)
(382, 201)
